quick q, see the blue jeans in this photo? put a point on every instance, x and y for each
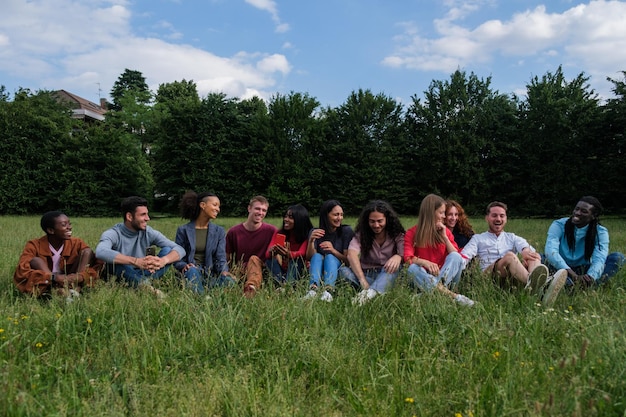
(377, 278)
(449, 273)
(295, 269)
(199, 276)
(614, 261)
(329, 264)
(135, 276)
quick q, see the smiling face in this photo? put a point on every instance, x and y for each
(440, 214)
(335, 217)
(139, 219)
(377, 222)
(288, 222)
(496, 219)
(583, 214)
(452, 217)
(257, 212)
(211, 207)
(62, 228)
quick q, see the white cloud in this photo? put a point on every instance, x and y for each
(591, 36)
(270, 7)
(78, 45)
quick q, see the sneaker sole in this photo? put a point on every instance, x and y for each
(552, 292)
(538, 278)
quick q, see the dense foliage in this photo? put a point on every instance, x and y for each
(462, 140)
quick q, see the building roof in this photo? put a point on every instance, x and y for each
(81, 107)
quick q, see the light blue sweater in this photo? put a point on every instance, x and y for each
(560, 255)
(120, 239)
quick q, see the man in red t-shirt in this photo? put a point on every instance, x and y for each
(247, 244)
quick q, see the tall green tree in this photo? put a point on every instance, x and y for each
(205, 146)
(129, 87)
(103, 165)
(361, 151)
(455, 134)
(610, 185)
(292, 123)
(34, 129)
(558, 121)
(131, 108)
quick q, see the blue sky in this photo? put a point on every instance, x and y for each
(326, 48)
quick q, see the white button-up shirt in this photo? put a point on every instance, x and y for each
(490, 247)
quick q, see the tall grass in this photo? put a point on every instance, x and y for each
(119, 352)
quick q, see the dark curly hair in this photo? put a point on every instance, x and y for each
(462, 225)
(393, 227)
(190, 204)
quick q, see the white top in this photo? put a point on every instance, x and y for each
(56, 259)
(490, 247)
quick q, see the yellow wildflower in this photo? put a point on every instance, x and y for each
(409, 400)
(38, 345)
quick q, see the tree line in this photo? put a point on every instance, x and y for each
(462, 140)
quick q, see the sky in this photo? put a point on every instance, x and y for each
(324, 48)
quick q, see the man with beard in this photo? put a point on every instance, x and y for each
(498, 251)
(580, 245)
(128, 247)
(247, 244)
(56, 261)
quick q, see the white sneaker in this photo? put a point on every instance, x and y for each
(364, 296)
(464, 301)
(326, 296)
(311, 294)
(537, 279)
(73, 295)
(553, 287)
(155, 291)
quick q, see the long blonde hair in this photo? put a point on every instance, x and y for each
(426, 234)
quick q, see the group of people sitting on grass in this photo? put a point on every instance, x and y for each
(435, 251)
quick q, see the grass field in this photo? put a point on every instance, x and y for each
(121, 352)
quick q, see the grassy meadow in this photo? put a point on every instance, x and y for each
(122, 352)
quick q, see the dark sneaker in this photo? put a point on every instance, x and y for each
(537, 279)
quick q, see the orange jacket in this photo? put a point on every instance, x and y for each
(34, 281)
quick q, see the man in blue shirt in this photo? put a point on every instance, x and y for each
(126, 247)
(580, 245)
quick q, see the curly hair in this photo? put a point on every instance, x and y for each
(190, 204)
(462, 225)
(393, 226)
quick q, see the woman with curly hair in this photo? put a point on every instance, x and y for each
(431, 252)
(375, 251)
(458, 223)
(205, 243)
(286, 258)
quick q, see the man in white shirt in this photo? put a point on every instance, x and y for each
(498, 251)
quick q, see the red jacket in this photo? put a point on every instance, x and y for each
(436, 254)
